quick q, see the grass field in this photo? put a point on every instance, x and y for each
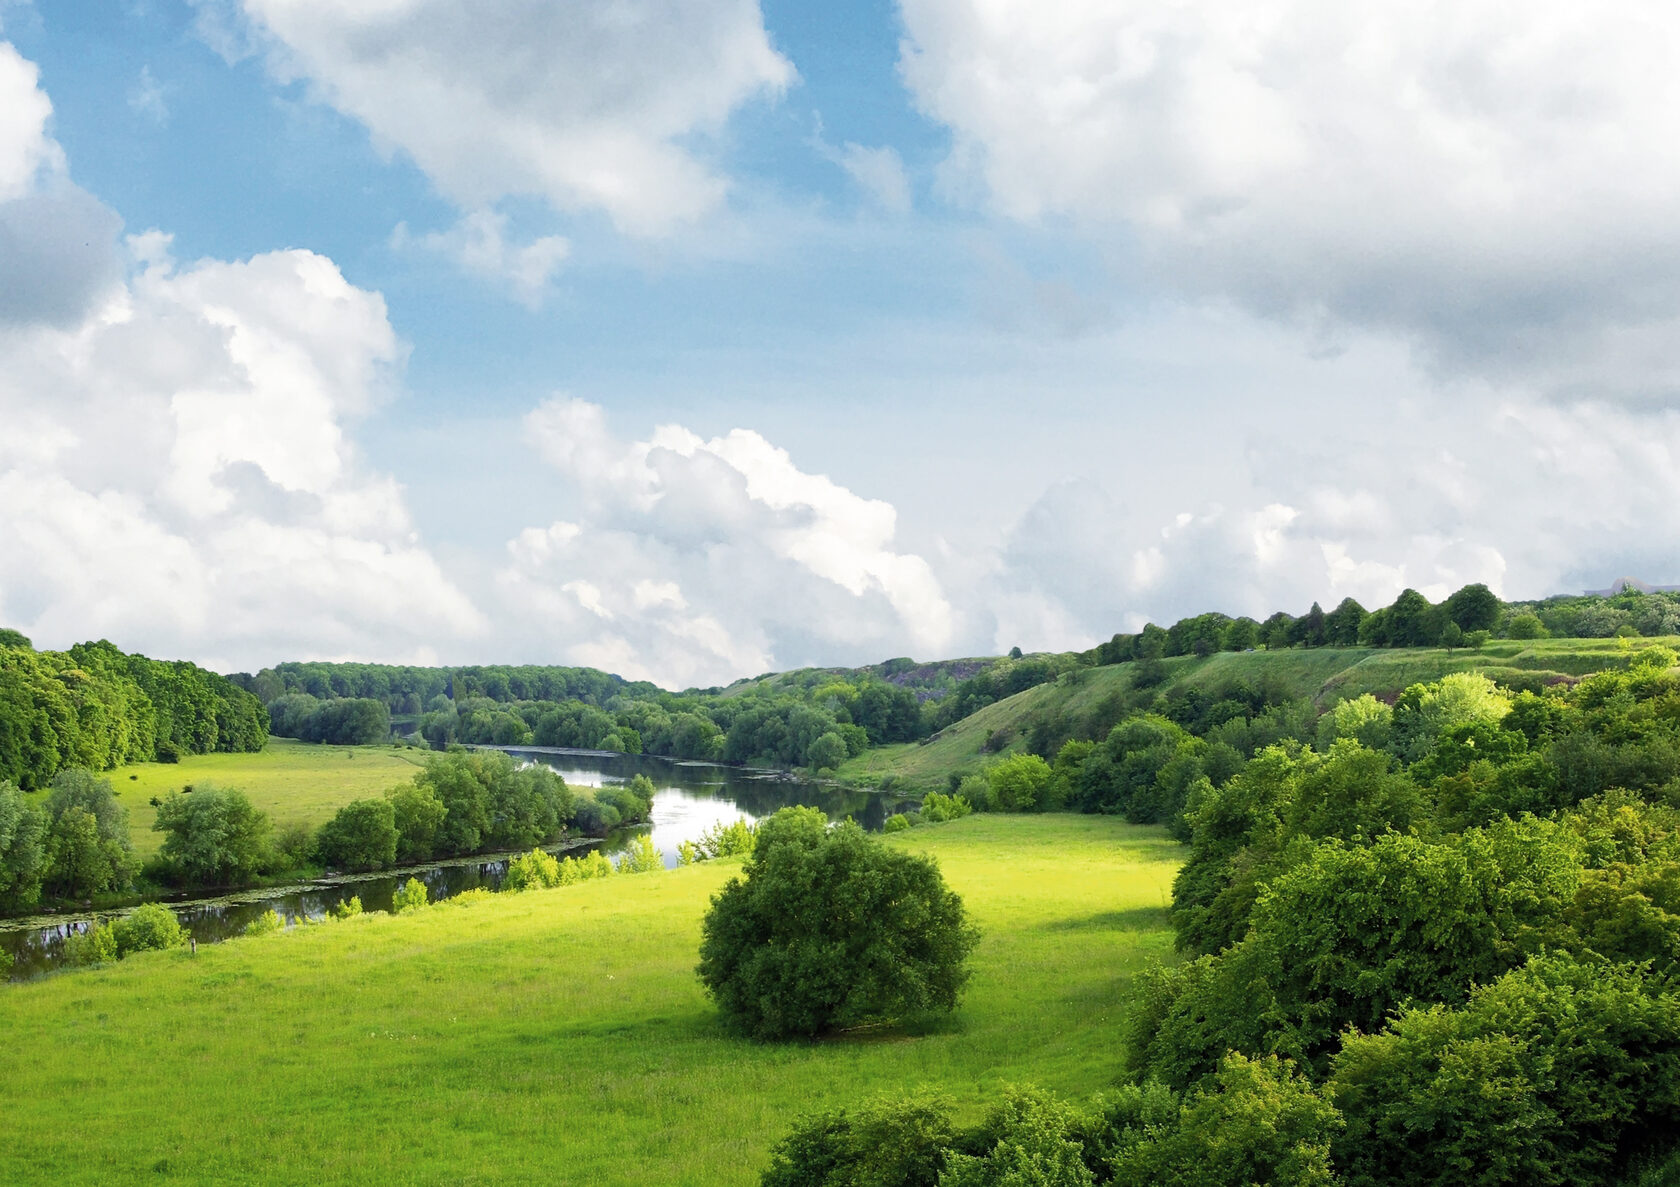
(1326, 675)
(554, 1037)
(291, 781)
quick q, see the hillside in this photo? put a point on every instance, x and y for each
(1323, 675)
(556, 1036)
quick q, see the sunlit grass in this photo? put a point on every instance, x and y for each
(558, 1036)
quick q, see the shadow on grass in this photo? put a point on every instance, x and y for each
(1133, 919)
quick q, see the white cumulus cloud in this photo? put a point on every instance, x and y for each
(1494, 179)
(594, 105)
(698, 561)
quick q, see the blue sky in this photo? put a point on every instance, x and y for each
(697, 337)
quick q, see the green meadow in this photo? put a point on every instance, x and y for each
(294, 782)
(556, 1037)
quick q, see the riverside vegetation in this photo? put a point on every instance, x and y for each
(1431, 936)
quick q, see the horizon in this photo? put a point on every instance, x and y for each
(707, 340)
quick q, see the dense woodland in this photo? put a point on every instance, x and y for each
(95, 707)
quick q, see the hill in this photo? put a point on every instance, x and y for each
(1089, 697)
(556, 1036)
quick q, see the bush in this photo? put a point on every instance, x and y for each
(1019, 783)
(594, 818)
(937, 808)
(149, 926)
(830, 929)
(735, 839)
(886, 1142)
(1030, 1138)
(96, 945)
(898, 822)
(268, 921)
(410, 896)
(361, 836)
(688, 853)
(535, 870)
(582, 869)
(977, 790)
(641, 857)
(349, 907)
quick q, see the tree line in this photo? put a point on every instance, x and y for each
(74, 844)
(96, 707)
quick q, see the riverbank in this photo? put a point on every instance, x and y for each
(558, 1035)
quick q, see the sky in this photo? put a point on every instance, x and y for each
(694, 339)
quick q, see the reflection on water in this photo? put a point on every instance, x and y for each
(690, 799)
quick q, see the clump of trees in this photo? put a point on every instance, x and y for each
(95, 708)
(829, 929)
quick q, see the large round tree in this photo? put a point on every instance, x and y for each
(830, 929)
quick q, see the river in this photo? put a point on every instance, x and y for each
(690, 799)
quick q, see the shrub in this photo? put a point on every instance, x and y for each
(1031, 1137)
(361, 836)
(735, 839)
(898, 822)
(347, 908)
(268, 921)
(594, 818)
(96, 945)
(294, 846)
(687, 853)
(6, 963)
(410, 896)
(977, 790)
(582, 869)
(535, 870)
(1019, 783)
(478, 894)
(149, 926)
(831, 929)
(897, 1142)
(418, 815)
(641, 857)
(937, 808)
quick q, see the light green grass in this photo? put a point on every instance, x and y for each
(291, 781)
(1325, 675)
(554, 1037)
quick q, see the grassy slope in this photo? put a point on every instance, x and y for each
(1326, 675)
(552, 1037)
(291, 781)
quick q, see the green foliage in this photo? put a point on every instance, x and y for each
(1364, 719)
(356, 721)
(1029, 1138)
(735, 839)
(1254, 1121)
(262, 925)
(347, 908)
(23, 850)
(1557, 1073)
(488, 802)
(149, 926)
(212, 837)
(896, 823)
(687, 853)
(1019, 783)
(585, 868)
(937, 808)
(361, 836)
(886, 1142)
(410, 896)
(97, 944)
(827, 752)
(535, 870)
(1526, 626)
(641, 857)
(88, 850)
(829, 929)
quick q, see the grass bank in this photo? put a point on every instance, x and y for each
(1324, 675)
(291, 781)
(559, 1036)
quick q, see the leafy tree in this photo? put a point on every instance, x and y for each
(829, 929)
(149, 926)
(213, 837)
(1474, 608)
(827, 752)
(362, 835)
(95, 945)
(79, 861)
(641, 856)
(1019, 783)
(1029, 1138)
(1341, 625)
(1526, 625)
(23, 850)
(418, 815)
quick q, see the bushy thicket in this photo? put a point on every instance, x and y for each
(94, 707)
(1436, 942)
(355, 721)
(829, 929)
